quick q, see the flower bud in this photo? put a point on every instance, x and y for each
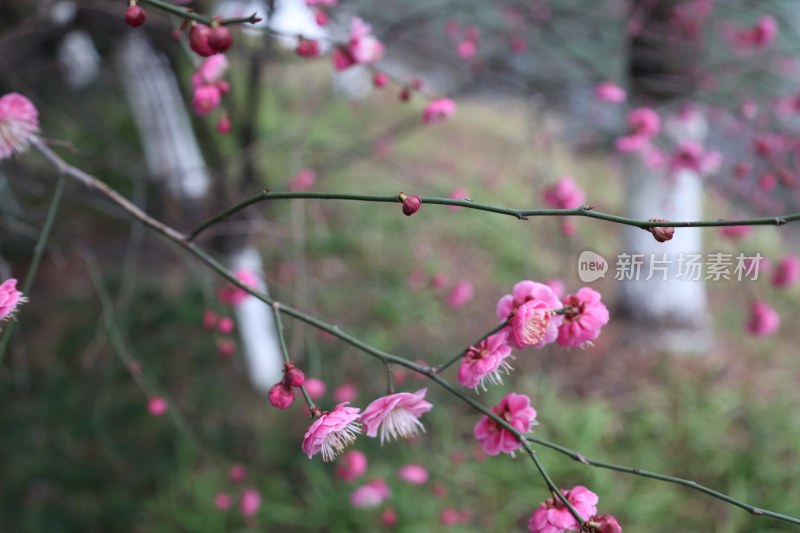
(224, 124)
(662, 234)
(220, 38)
(411, 204)
(307, 47)
(603, 524)
(281, 395)
(293, 376)
(198, 40)
(379, 80)
(135, 16)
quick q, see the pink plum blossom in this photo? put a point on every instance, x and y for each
(552, 516)
(19, 124)
(352, 464)
(485, 361)
(210, 71)
(10, 298)
(763, 320)
(584, 318)
(234, 295)
(206, 99)
(564, 194)
(530, 309)
(516, 410)
(438, 110)
(250, 502)
(396, 415)
(609, 92)
(786, 272)
(157, 406)
(371, 494)
(460, 294)
(413, 474)
(332, 432)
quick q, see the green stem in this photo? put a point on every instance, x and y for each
(41, 245)
(189, 14)
(276, 311)
(520, 214)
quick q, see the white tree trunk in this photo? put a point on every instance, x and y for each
(174, 157)
(671, 313)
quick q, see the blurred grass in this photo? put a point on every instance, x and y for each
(80, 453)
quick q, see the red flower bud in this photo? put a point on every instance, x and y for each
(220, 38)
(411, 204)
(224, 124)
(603, 524)
(405, 94)
(662, 234)
(293, 376)
(281, 395)
(321, 18)
(198, 40)
(380, 80)
(135, 16)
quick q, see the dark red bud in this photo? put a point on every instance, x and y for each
(405, 94)
(220, 38)
(380, 79)
(307, 47)
(135, 16)
(198, 40)
(603, 524)
(411, 204)
(281, 395)
(293, 376)
(662, 234)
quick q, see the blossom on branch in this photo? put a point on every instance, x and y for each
(584, 318)
(10, 298)
(332, 432)
(529, 311)
(552, 516)
(19, 124)
(396, 415)
(485, 361)
(517, 411)
(362, 48)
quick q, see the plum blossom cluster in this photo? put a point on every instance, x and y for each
(534, 316)
(391, 417)
(209, 88)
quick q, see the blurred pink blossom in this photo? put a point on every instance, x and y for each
(460, 294)
(414, 474)
(250, 502)
(763, 320)
(303, 181)
(351, 465)
(157, 406)
(371, 494)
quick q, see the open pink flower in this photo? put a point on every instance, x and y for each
(485, 361)
(10, 298)
(553, 516)
(584, 318)
(564, 194)
(786, 272)
(396, 415)
(233, 295)
(533, 323)
(371, 494)
(438, 110)
(351, 465)
(332, 432)
(763, 319)
(516, 410)
(19, 124)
